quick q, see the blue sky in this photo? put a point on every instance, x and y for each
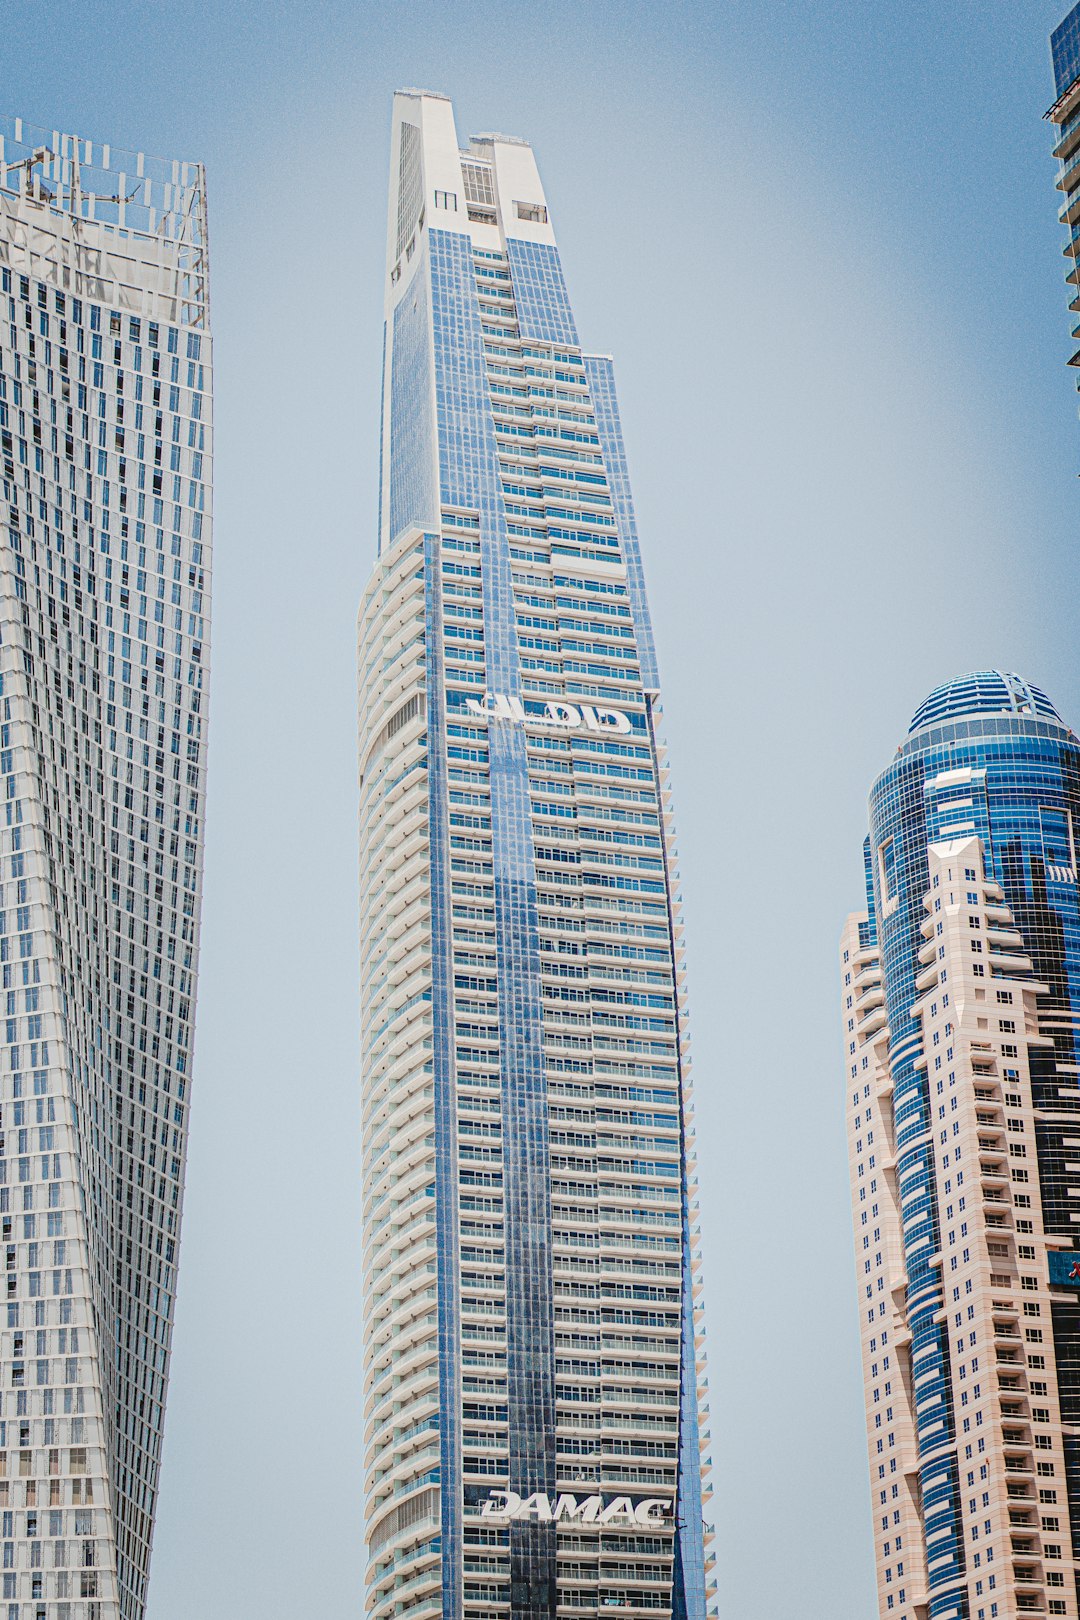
(820, 241)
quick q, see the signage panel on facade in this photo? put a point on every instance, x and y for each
(539, 1508)
(554, 715)
(1064, 1269)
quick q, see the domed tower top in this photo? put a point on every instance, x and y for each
(985, 691)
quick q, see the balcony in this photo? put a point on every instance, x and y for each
(1009, 963)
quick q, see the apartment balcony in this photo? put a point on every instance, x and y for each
(1068, 180)
(1010, 963)
(420, 1608)
(1068, 144)
(417, 1587)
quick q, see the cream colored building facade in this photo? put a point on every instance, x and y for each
(964, 1137)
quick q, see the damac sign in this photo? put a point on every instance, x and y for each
(539, 1509)
(557, 716)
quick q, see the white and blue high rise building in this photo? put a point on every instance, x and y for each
(105, 450)
(533, 1343)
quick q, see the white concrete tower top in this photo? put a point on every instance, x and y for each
(490, 190)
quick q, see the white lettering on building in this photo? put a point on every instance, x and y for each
(555, 715)
(538, 1508)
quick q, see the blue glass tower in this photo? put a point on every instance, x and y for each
(533, 1345)
(961, 1002)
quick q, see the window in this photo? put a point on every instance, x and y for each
(447, 200)
(534, 213)
(887, 869)
(1057, 837)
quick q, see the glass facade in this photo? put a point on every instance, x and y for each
(1065, 114)
(533, 1363)
(1065, 52)
(105, 445)
(961, 1008)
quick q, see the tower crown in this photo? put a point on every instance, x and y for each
(983, 691)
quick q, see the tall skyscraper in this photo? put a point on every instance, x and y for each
(533, 1346)
(104, 582)
(1065, 113)
(961, 1009)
